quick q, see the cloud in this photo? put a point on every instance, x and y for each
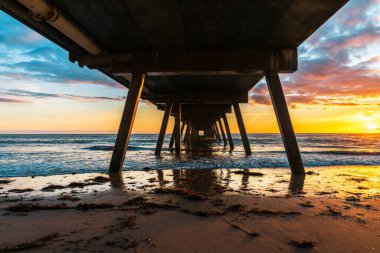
(339, 64)
(16, 93)
(26, 55)
(10, 100)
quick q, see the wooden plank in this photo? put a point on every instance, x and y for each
(243, 133)
(284, 123)
(222, 132)
(164, 125)
(178, 130)
(199, 98)
(229, 136)
(195, 61)
(126, 123)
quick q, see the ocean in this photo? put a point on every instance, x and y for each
(55, 154)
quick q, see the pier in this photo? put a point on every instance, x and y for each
(194, 60)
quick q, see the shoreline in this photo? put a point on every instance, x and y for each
(194, 211)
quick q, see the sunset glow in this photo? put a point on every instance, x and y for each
(335, 90)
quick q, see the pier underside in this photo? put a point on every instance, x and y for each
(194, 60)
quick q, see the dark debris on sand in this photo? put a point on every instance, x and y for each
(30, 207)
(249, 173)
(30, 245)
(331, 211)
(101, 179)
(306, 204)
(180, 191)
(69, 198)
(247, 231)
(5, 181)
(272, 212)
(235, 208)
(303, 244)
(52, 187)
(89, 206)
(80, 184)
(21, 190)
(135, 201)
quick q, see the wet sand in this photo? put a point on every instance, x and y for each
(334, 209)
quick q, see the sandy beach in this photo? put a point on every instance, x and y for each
(332, 209)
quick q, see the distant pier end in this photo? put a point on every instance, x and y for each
(195, 60)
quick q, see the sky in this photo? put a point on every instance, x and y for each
(335, 90)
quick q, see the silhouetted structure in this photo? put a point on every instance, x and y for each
(193, 59)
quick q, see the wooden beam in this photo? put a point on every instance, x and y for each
(183, 128)
(126, 123)
(195, 61)
(284, 123)
(178, 130)
(229, 136)
(199, 98)
(243, 133)
(171, 143)
(217, 131)
(222, 131)
(164, 125)
(200, 108)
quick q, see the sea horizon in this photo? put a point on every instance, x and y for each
(57, 154)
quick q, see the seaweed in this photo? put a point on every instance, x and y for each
(68, 197)
(331, 211)
(182, 192)
(5, 181)
(21, 190)
(40, 242)
(271, 212)
(101, 179)
(89, 206)
(204, 213)
(135, 201)
(358, 179)
(303, 244)
(235, 208)
(79, 184)
(30, 207)
(306, 204)
(52, 187)
(249, 173)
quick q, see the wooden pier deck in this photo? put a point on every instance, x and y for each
(193, 59)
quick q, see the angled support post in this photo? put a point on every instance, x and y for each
(217, 131)
(243, 133)
(126, 123)
(178, 130)
(183, 128)
(164, 125)
(229, 136)
(284, 123)
(222, 131)
(171, 143)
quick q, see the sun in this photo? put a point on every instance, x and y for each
(371, 127)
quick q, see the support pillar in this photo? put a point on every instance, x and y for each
(284, 123)
(222, 132)
(183, 128)
(177, 136)
(217, 131)
(126, 123)
(243, 133)
(164, 125)
(171, 143)
(229, 136)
